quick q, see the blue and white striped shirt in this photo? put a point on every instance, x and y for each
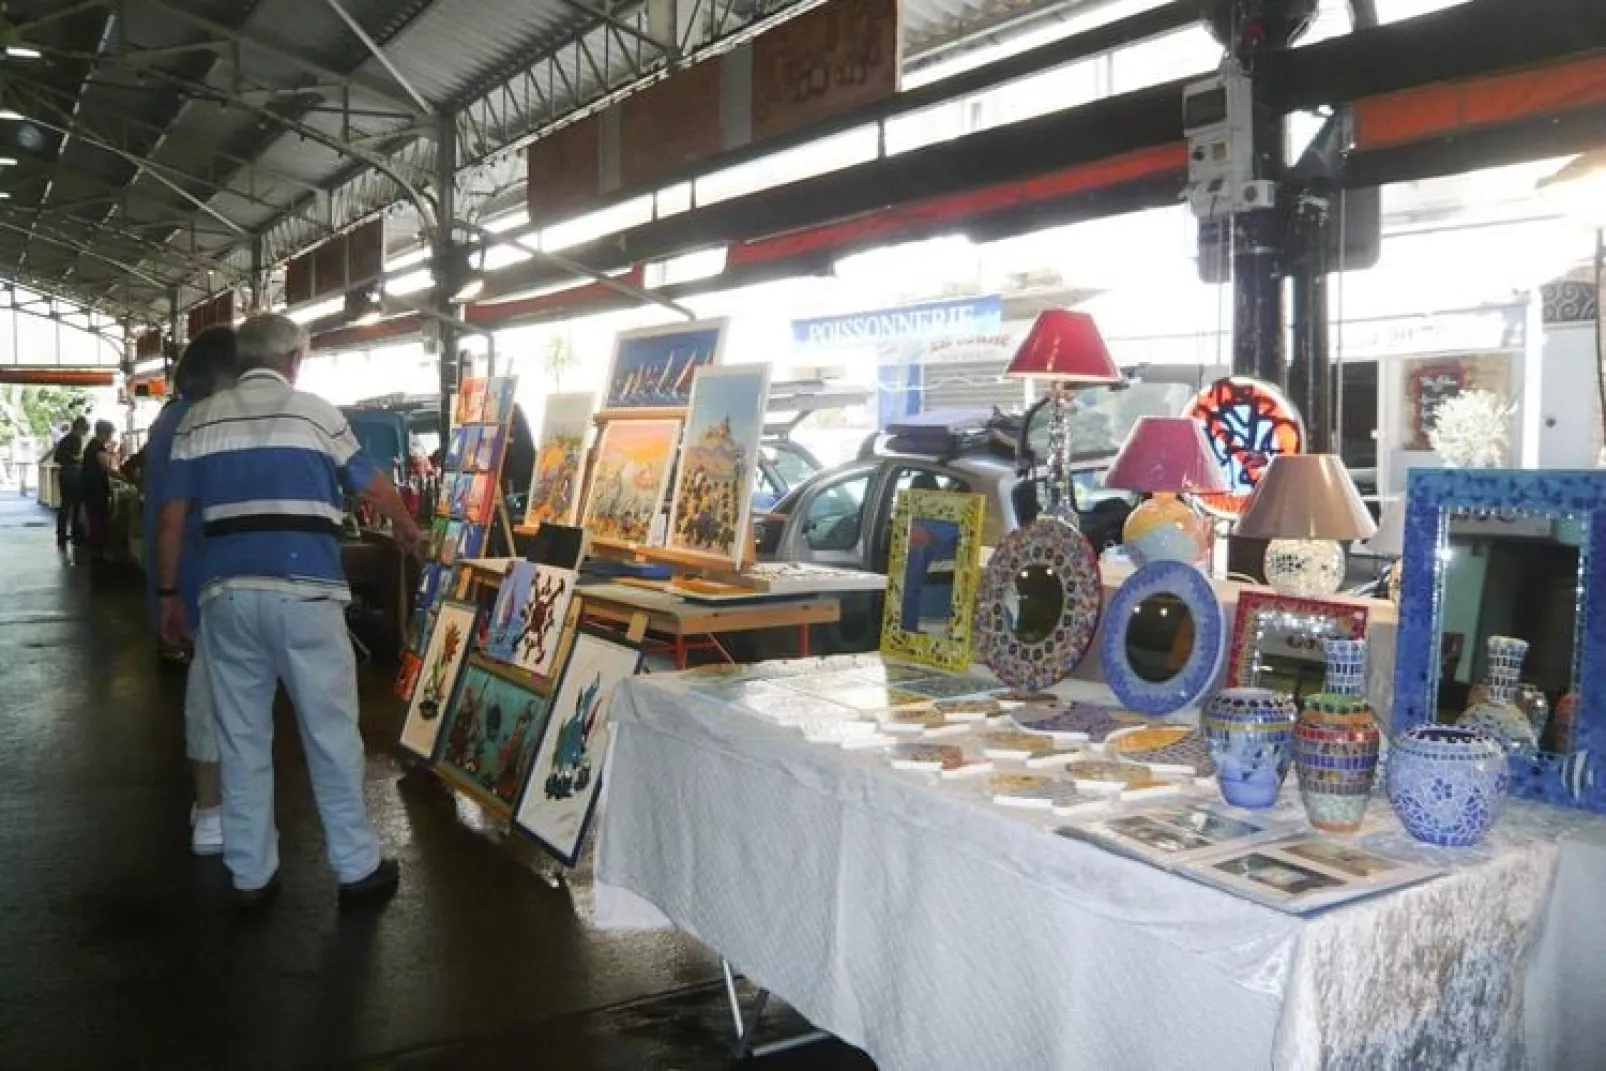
(265, 465)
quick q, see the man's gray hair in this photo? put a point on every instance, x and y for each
(269, 340)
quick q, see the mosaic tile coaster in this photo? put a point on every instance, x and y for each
(1189, 755)
(969, 709)
(953, 687)
(1077, 721)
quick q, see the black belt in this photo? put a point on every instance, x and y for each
(271, 522)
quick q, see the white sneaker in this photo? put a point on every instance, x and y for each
(206, 837)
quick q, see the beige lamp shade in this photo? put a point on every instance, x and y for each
(1389, 542)
(1306, 496)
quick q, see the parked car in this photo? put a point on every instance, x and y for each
(782, 462)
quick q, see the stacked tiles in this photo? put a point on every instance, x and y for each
(1251, 733)
(1336, 742)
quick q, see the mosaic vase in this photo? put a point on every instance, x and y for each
(1447, 782)
(1532, 701)
(1496, 713)
(1251, 734)
(1346, 667)
(1336, 745)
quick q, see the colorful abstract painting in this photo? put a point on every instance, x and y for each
(491, 728)
(448, 646)
(470, 400)
(480, 502)
(558, 798)
(454, 450)
(499, 392)
(714, 482)
(559, 461)
(653, 368)
(527, 622)
(627, 482)
(488, 450)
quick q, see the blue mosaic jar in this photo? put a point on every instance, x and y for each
(1447, 783)
(1251, 734)
(1346, 667)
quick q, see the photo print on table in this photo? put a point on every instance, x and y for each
(491, 729)
(710, 503)
(559, 460)
(627, 482)
(1277, 877)
(527, 622)
(561, 791)
(653, 367)
(443, 660)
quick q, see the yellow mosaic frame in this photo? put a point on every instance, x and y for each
(967, 511)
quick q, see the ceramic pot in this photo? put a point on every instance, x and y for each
(1495, 712)
(1447, 782)
(1346, 667)
(1336, 745)
(1532, 701)
(1251, 734)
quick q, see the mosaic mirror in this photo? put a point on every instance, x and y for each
(1164, 636)
(1277, 640)
(1503, 620)
(1039, 607)
(933, 572)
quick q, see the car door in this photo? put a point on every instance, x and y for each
(827, 526)
(900, 476)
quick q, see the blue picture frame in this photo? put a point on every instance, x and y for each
(1209, 634)
(1431, 495)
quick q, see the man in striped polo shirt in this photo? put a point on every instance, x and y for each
(266, 464)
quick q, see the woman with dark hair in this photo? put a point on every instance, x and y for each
(95, 486)
(209, 364)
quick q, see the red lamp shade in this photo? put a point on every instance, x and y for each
(1164, 453)
(1065, 347)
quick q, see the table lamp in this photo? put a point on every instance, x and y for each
(1162, 456)
(1304, 504)
(1064, 349)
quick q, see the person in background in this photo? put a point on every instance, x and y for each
(95, 485)
(265, 466)
(209, 364)
(69, 456)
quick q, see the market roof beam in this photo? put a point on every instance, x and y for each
(377, 50)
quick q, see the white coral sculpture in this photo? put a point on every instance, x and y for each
(1470, 430)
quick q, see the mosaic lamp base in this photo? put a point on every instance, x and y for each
(1304, 568)
(1165, 528)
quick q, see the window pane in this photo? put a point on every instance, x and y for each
(836, 515)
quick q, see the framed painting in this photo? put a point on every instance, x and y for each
(933, 572)
(488, 451)
(470, 400)
(1502, 592)
(627, 482)
(527, 621)
(561, 792)
(1431, 380)
(499, 392)
(708, 510)
(442, 661)
(489, 733)
(480, 501)
(1277, 640)
(559, 460)
(653, 367)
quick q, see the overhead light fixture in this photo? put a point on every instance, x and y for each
(11, 114)
(5, 195)
(8, 161)
(364, 307)
(22, 52)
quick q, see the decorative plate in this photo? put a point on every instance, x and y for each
(1198, 670)
(1247, 422)
(1033, 666)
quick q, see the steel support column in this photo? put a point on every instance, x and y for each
(444, 239)
(1310, 372)
(261, 300)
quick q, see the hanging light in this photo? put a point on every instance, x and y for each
(23, 52)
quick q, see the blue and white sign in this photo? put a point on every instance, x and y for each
(935, 319)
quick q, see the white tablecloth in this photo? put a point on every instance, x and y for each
(935, 930)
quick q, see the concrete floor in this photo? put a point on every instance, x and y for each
(117, 948)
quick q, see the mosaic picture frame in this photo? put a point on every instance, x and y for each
(1064, 550)
(1432, 495)
(954, 516)
(1346, 621)
(1198, 672)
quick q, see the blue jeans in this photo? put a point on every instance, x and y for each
(254, 640)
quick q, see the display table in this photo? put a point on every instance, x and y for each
(376, 567)
(679, 623)
(915, 919)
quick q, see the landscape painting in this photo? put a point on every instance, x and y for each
(627, 482)
(653, 367)
(491, 728)
(714, 482)
(527, 620)
(559, 460)
(448, 645)
(567, 770)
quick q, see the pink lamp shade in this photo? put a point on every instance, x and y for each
(1164, 453)
(1065, 347)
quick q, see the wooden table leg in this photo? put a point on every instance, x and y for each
(802, 641)
(680, 650)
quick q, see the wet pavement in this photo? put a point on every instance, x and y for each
(120, 948)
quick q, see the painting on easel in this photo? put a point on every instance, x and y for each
(714, 482)
(653, 367)
(493, 724)
(527, 621)
(559, 460)
(627, 482)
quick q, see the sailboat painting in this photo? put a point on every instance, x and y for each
(653, 367)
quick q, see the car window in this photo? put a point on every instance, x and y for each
(836, 514)
(792, 467)
(912, 477)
